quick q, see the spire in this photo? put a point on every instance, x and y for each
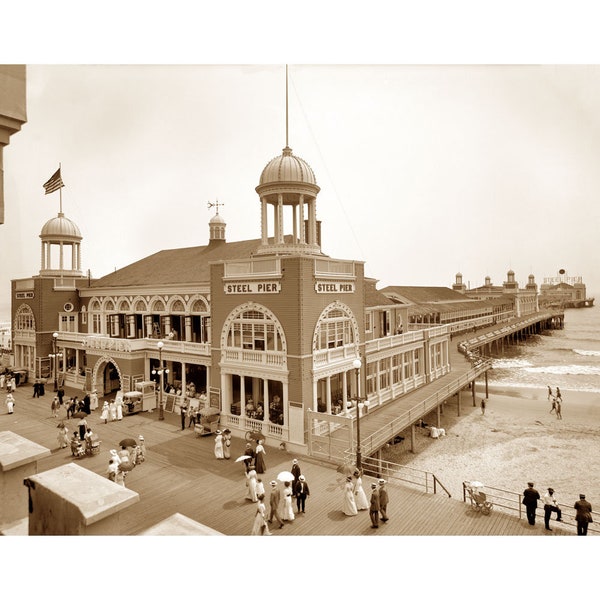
(287, 130)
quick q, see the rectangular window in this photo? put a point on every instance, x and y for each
(384, 373)
(371, 378)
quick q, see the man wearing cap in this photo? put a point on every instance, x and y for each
(550, 506)
(583, 515)
(530, 498)
(274, 501)
(383, 500)
(375, 506)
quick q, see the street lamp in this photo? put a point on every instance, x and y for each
(55, 356)
(357, 364)
(160, 371)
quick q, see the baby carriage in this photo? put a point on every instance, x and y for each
(478, 498)
(92, 445)
(77, 449)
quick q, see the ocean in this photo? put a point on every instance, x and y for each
(568, 358)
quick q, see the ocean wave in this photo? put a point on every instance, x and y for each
(587, 352)
(564, 370)
(583, 387)
(510, 363)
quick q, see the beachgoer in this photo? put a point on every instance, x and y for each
(483, 406)
(583, 515)
(558, 409)
(374, 507)
(530, 498)
(550, 394)
(554, 401)
(550, 506)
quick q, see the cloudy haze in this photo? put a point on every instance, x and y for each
(424, 170)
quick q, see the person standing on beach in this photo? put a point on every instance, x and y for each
(530, 498)
(550, 394)
(583, 515)
(558, 409)
(375, 506)
(483, 406)
(550, 506)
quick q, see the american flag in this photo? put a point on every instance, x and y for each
(54, 183)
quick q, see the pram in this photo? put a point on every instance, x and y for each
(478, 498)
(92, 445)
(77, 449)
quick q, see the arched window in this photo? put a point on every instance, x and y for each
(255, 329)
(24, 319)
(335, 328)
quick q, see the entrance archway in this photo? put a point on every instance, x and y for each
(106, 376)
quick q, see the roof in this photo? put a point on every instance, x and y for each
(177, 266)
(423, 294)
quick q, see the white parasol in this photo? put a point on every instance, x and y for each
(243, 457)
(285, 476)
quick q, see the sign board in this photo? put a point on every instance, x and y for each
(214, 396)
(24, 295)
(334, 287)
(253, 287)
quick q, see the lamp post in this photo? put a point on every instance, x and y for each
(357, 364)
(54, 356)
(160, 371)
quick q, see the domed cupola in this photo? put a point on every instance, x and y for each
(288, 181)
(217, 229)
(59, 233)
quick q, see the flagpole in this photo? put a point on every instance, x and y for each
(60, 190)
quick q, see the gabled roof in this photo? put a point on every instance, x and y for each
(424, 295)
(177, 266)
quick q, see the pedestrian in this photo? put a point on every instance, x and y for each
(301, 492)
(259, 457)
(183, 411)
(251, 484)
(553, 409)
(86, 405)
(119, 405)
(36, 389)
(114, 472)
(348, 503)
(583, 516)
(105, 412)
(227, 443)
(296, 471)
(2, 380)
(219, 445)
(383, 500)
(558, 395)
(274, 502)
(94, 400)
(63, 438)
(550, 394)
(75, 443)
(374, 506)
(54, 406)
(359, 493)
(112, 408)
(42, 388)
(530, 498)
(82, 424)
(260, 487)
(249, 452)
(192, 414)
(69, 407)
(550, 506)
(287, 511)
(259, 525)
(10, 403)
(140, 456)
(483, 406)
(558, 409)
(61, 394)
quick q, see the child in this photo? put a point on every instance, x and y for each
(63, 438)
(141, 450)
(260, 488)
(10, 403)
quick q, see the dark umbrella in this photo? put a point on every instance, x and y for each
(80, 414)
(128, 443)
(126, 466)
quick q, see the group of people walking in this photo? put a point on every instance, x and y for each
(583, 508)
(355, 498)
(556, 400)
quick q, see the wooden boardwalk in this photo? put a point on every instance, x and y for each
(182, 475)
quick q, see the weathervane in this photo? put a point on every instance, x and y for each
(216, 203)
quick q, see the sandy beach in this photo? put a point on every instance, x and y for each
(516, 441)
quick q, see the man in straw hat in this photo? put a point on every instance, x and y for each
(550, 506)
(274, 502)
(375, 506)
(383, 500)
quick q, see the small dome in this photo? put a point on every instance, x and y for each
(288, 167)
(61, 227)
(217, 220)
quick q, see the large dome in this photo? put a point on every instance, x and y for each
(289, 168)
(61, 227)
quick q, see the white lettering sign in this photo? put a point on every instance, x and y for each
(23, 295)
(253, 287)
(334, 287)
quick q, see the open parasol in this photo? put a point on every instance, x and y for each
(242, 457)
(80, 414)
(285, 476)
(128, 443)
(126, 466)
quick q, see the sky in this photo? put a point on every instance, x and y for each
(424, 170)
(445, 137)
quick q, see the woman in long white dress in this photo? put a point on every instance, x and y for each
(359, 493)
(219, 445)
(105, 412)
(286, 510)
(112, 407)
(348, 503)
(251, 483)
(119, 405)
(259, 526)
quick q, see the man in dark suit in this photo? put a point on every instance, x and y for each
(374, 508)
(274, 501)
(530, 498)
(301, 491)
(583, 515)
(383, 500)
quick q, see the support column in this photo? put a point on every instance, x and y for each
(328, 390)
(264, 221)
(458, 404)
(438, 418)
(473, 393)
(412, 439)
(486, 385)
